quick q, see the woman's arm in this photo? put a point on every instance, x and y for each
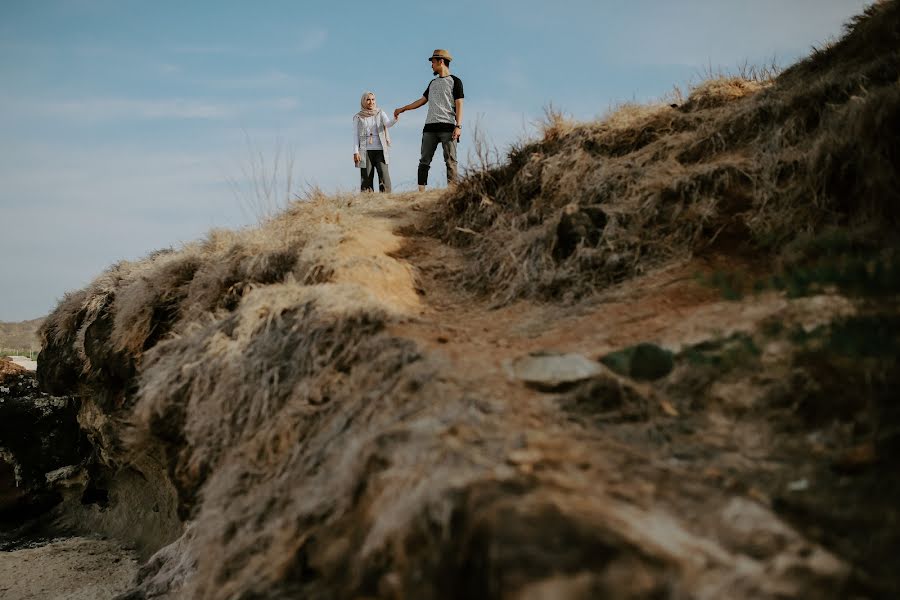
(387, 120)
(356, 140)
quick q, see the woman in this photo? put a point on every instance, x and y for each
(370, 144)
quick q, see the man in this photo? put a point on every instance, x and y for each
(444, 96)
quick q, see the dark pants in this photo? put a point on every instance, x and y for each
(375, 162)
(430, 140)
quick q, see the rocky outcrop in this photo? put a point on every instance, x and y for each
(41, 446)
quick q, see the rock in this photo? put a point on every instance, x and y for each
(643, 361)
(551, 372)
(10, 493)
(39, 434)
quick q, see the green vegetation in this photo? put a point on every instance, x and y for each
(643, 361)
(834, 260)
(875, 336)
(724, 354)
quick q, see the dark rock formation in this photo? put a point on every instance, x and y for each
(40, 444)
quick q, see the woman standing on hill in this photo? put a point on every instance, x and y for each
(370, 144)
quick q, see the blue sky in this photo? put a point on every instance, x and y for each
(128, 126)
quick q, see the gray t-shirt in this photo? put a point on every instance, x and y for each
(442, 93)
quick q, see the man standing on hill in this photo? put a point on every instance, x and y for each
(444, 96)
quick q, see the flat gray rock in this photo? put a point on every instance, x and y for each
(550, 371)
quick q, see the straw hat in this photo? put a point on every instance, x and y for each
(439, 53)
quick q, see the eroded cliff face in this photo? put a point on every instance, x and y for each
(321, 408)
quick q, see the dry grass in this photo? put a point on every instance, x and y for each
(720, 91)
(744, 165)
(105, 328)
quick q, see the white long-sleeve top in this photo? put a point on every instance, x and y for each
(369, 128)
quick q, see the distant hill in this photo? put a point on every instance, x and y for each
(20, 336)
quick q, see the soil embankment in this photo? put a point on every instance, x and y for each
(650, 357)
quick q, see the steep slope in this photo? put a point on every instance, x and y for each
(398, 397)
(760, 169)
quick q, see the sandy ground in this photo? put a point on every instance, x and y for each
(78, 568)
(23, 361)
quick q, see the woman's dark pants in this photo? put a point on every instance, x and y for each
(375, 162)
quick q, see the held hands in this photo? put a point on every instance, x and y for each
(397, 112)
(356, 158)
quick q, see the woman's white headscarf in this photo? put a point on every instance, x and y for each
(371, 112)
(367, 112)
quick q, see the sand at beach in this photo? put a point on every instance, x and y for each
(77, 568)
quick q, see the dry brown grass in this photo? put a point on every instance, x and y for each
(720, 91)
(744, 165)
(105, 328)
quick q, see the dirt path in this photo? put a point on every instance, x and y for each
(624, 478)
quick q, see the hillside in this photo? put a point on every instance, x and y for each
(648, 357)
(20, 335)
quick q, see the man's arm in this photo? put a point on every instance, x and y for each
(412, 106)
(459, 114)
